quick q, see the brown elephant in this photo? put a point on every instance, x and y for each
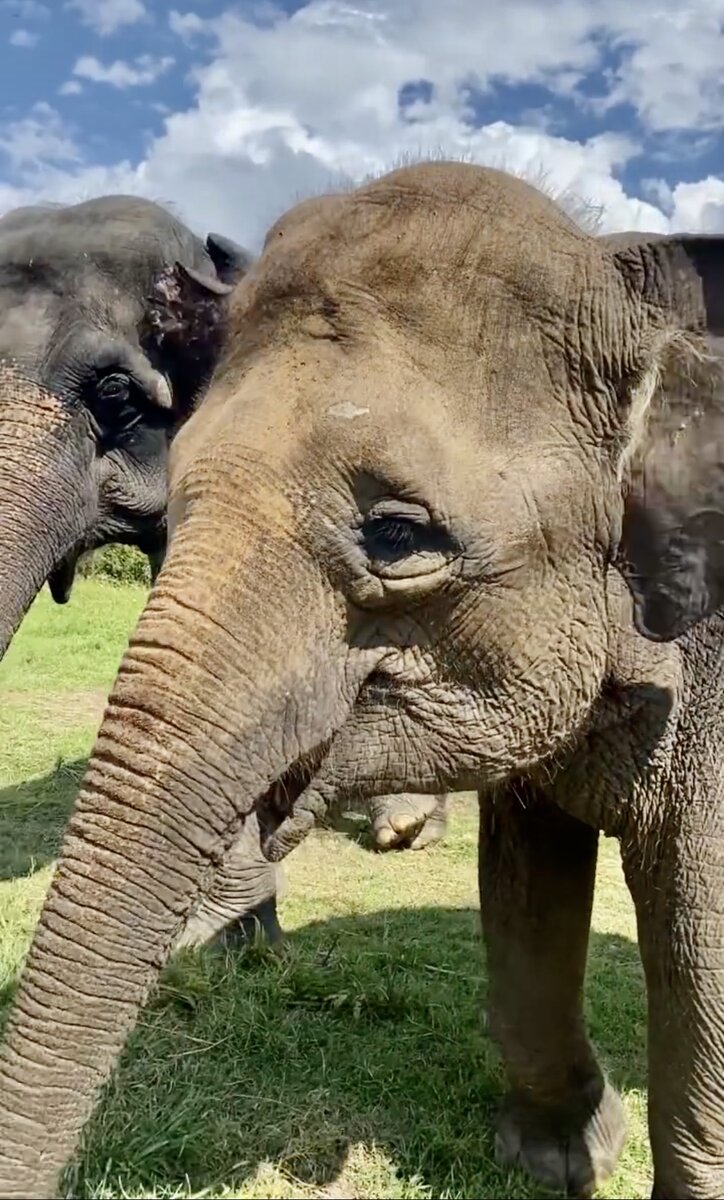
(111, 319)
(448, 425)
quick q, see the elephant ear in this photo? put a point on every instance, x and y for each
(185, 325)
(672, 543)
(230, 259)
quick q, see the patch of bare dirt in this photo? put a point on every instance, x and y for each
(83, 707)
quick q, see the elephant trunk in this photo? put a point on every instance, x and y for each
(199, 731)
(43, 513)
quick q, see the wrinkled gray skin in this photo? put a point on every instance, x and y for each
(449, 429)
(111, 318)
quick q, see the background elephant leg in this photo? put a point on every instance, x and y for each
(407, 820)
(243, 897)
(675, 872)
(561, 1120)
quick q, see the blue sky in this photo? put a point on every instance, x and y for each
(232, 111)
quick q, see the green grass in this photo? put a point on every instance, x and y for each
(357, 1066)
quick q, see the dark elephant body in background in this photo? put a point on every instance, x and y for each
(111, 318)
(447, 427)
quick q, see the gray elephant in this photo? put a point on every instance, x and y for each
(111, 318)
(450, 517)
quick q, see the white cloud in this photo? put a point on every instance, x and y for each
(141, 72)
(23, 38)
(673, 73)
(698, 204)
(71, 87)
(41, 137)
(266, 129)
(108, 16)
(188, 26)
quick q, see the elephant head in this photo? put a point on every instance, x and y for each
(111, 317)
(394, 522)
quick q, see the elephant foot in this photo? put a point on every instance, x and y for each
(262, 924)
(208, 928)
(572, 1151)
(407, 822)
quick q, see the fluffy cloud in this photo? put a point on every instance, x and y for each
(107, 16)
(698, 206)
(266, 128)
(189, 26)
(140, 73)
(40, 136)
(23, 38)
(673, 73)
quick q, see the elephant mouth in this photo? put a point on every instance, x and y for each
(149, 537)
(62, 576)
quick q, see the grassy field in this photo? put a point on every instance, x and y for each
(358, 1066)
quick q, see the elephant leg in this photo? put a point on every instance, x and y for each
(407, 821)
(242, 900)
(561, 1120)
(674, 867)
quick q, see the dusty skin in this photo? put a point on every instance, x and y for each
(450, 429)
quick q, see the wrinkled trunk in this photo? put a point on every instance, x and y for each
(202, 725)
(44, 508)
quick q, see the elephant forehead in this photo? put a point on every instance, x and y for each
(415, 233)
(69, 251)
(26, 322)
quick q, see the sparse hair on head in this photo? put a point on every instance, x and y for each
(580, 209)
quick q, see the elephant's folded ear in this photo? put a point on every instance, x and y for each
(186, 318)
(672, 545)
(230, 259)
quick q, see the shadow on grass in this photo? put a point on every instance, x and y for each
(33, 815)
(369, 1032)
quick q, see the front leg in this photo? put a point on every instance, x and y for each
(674, 864)
(561, 1120)
(242, 899)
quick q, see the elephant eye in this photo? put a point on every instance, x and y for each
(391, 538)
(403, 540)
(117, 403)
(114, 387)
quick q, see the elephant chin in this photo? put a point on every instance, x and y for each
(62, 577)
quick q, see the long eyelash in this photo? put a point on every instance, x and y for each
(398, 534)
